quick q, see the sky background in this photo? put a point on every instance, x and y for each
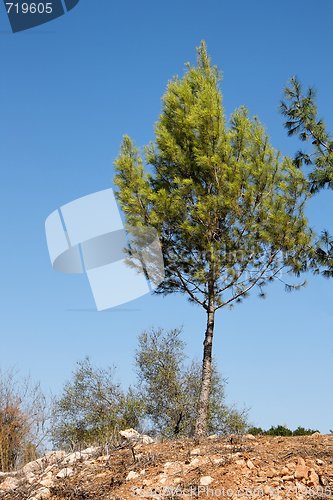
(69, 90)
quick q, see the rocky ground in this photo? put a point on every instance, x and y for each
(229, 467)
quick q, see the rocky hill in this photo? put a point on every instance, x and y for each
(229, 467)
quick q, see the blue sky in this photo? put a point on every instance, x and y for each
(69, 90)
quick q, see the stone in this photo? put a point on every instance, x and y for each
(195, 462)
(48, 460)
(144, 439)
(90, 451)
(66, 472)
(134, 436)
(267, 489)
(272, 472)
(313, 478)
(10, 483)
(48, 480)
(195, 451)
(132, 475)
(30, 477)
(302, 470)
(163, 478)
(235, 438)
(33, 467)
(173, 468)
(250, 437)
(54, 456)
(206, 480)
(41, 494)
(250, 464)
(71, 458)
(129, 434)
(241, 462)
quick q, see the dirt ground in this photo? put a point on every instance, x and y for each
(233, 467)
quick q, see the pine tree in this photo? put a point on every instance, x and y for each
(228, 208)
(302, 120)
(301, 112)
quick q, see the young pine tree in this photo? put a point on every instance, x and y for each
(228, 208)
(300, 110)
(302, 119)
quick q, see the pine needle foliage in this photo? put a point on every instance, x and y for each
(302, 119)
(228, 207)
(300, 110)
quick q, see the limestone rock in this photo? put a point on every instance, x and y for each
(132, 475)
(313, 478)
(10, 483)
(41, 494)
(30, 478)
(302, 470)
(173, 468)
(250, 437)
(48, 480)
(272, 472)
(287, 478)
(71, 458)
(66, 472)
(241, 462)
(206, 480)
(135, 437)
(195, 451)
(195, 462)
(284, 471)
(34, 467)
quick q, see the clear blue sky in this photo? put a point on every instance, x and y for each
(68, 91)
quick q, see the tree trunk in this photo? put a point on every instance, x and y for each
(206, 379)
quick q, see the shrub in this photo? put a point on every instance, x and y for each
(170, 389)
(91, 407)
(22, 418)
(301, 431)
(255, 431)
(281, 430)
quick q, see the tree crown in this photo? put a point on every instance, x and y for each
(228, 207)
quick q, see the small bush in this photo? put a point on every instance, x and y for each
(170, 388)
(301, 431)
(281, 430)
(92, 407)
(22, 418)
(255, 431)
